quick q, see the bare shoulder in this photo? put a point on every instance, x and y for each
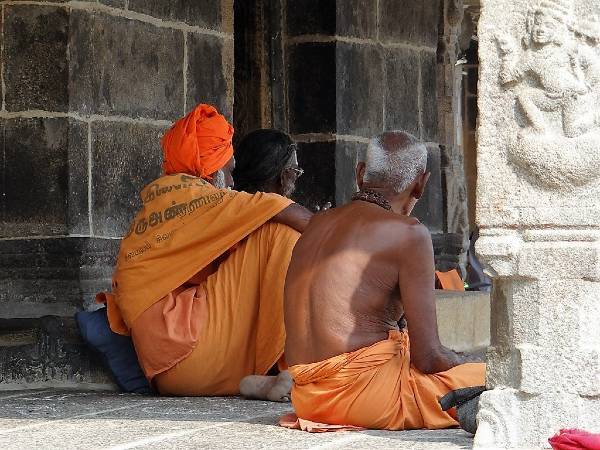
(413, 235)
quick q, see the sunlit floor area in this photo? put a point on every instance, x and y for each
(52, 419)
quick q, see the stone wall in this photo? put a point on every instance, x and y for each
(357, 68)
(88, 88)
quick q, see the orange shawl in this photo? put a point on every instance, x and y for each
(184, 225)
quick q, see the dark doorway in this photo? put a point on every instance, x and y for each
(259, 100)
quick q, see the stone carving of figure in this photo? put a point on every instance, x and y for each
(556, 72)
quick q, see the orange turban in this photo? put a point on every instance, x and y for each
(198, 144)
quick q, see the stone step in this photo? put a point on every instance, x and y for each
(464, 320)
(48, 352)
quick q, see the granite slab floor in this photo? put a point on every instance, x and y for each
(63, 419)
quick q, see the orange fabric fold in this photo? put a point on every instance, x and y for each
(167, 332)
(241, 327)
(376, 387)
(114, 314)
(184, 225)
(294, 422)
(198, 144)
(450, 281)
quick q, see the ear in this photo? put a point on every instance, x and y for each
(360, 174)
(419, 186)
(286, 183)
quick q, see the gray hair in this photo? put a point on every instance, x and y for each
(394, 159)
(219, 179)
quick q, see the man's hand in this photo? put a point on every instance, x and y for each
(294, 216)
(416, 280)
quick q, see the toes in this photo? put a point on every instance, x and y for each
(256, 386)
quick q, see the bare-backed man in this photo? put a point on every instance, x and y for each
(355, 272)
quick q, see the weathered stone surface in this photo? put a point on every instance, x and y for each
(463, 319)
(35, 57)
(543, 250)
(347, 156)
(359, 91)
(54, 276)
(447, 248)
(311, 18)
(472, 80)
(409, 21)
(402, 90)
(209, 73)
(430, 209)
(449, 101)
(175, 423)
(357, 18)
(47, 351)
(125, 157)
(78, 219)
(35, 176)
(317, 186)
(206, 14)
(124, 67)
(429, 95)
(45, 281)
(114, 3)
(507, 416)
(312, 88)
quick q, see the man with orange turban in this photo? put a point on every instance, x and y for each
(200, 274)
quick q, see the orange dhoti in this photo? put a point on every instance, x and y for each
(376, 387)
(241, 329)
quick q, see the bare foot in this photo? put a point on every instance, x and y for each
(271, 388)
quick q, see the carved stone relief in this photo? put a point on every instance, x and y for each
(498, 419)
(555, 77)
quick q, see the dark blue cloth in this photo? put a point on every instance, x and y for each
(117, 351)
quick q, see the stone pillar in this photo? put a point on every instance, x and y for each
(310, 67)
(449, 73)
(539, 210)
(87, 90)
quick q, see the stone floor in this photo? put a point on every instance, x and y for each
(53, 419)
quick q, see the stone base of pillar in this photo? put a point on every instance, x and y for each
(511, 419)
(48, 352)
(44, 282)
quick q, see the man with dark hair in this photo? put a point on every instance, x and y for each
(266, 161)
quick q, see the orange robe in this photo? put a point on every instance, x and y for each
(199, 285)
(376, 387)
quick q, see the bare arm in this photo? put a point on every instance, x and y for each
(294, 216)
(416, 278)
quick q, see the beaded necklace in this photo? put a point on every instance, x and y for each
(372, 197)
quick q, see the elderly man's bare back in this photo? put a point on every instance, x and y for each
(354, 273)
(342, 289)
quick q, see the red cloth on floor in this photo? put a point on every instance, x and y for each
(575, 440)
